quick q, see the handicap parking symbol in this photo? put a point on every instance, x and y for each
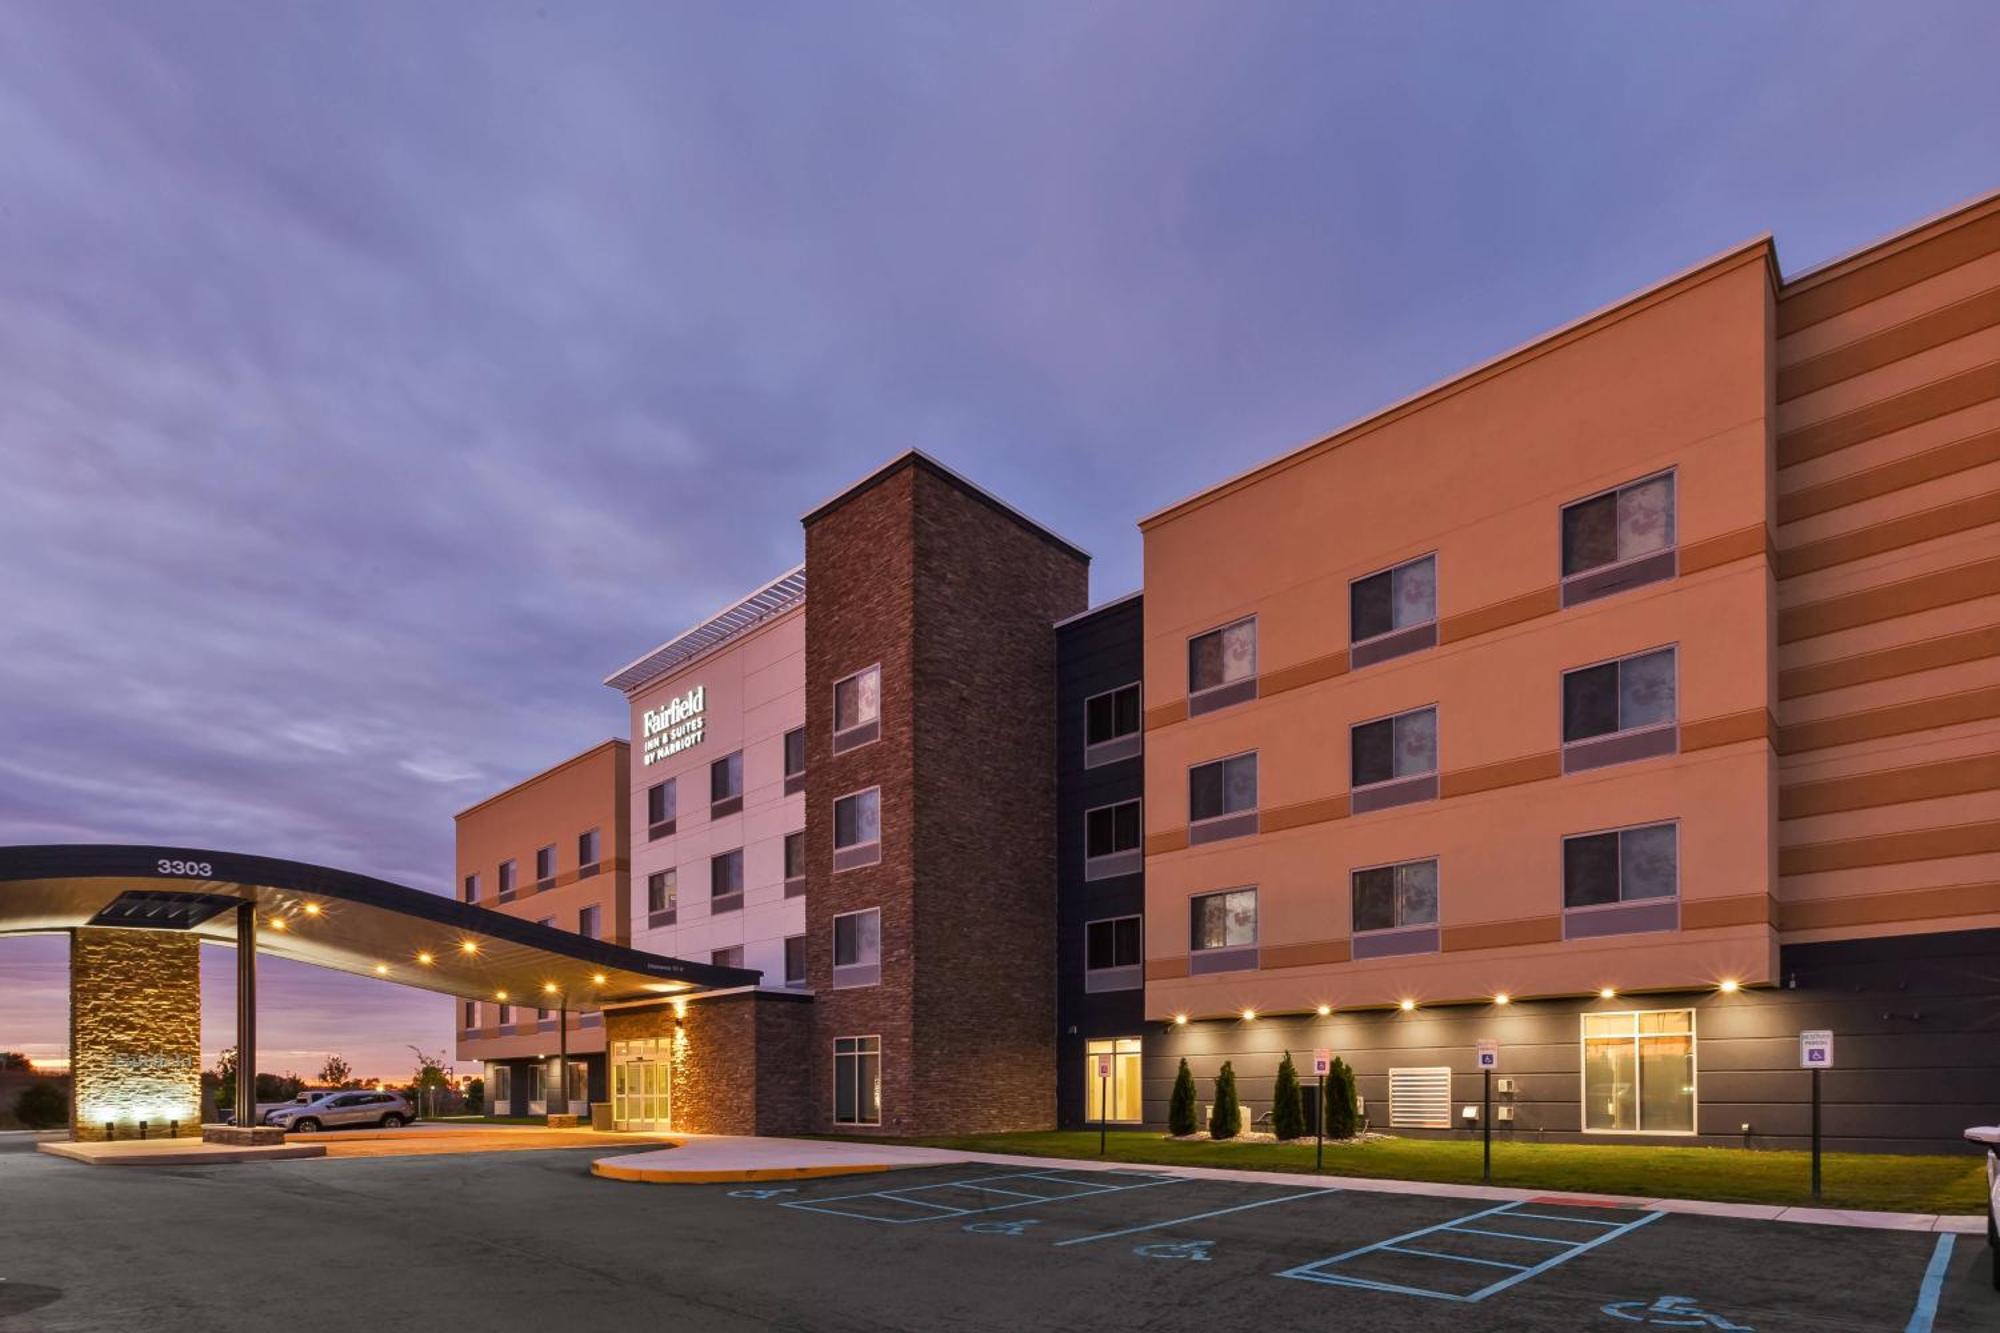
(1196, 1250)
(1017, 1226)
(1672, 1312)
(761, 1194)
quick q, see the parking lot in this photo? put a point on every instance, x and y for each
(529, 1240)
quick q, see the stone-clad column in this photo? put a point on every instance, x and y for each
(135, 1032)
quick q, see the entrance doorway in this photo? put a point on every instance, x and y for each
(640, 1098)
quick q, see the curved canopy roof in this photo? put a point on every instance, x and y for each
(334, 919)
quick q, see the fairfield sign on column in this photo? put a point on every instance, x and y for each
(674, 726)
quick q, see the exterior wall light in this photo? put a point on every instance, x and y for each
(548, 988)
(424, 958)
(1180, 1020)
(277, 923)
(1608, 993)
(1249, 1015)
(1730, 986)
(597, 979)
(312, 909)
(499, 995)
(1407, 1005)
(468, 946)
(1325, 1010)
(1503, 998)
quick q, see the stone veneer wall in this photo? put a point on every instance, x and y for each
(739, 1061)
(135, 1031)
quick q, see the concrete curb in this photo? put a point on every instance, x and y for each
(190, 1152)
(612, 1171)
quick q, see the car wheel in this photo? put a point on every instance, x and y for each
(392, 1121)
(305, 1125)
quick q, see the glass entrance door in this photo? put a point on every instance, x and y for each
(639, 1086)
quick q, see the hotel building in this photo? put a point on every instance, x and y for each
(552, 850)
(1631, 701)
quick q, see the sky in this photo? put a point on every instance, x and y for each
(376, 379)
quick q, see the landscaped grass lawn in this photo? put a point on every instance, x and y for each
(1905, 1184)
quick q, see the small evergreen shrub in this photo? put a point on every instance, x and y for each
(42, 1106)
(1343, 1117)
(1182, 1116)
(475, 1097)
(1288, 1106)
(1225, 1118)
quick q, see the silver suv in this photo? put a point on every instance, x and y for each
(344, 1109)
(1989, 1135)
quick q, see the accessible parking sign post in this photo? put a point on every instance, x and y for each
(1487, 1053)
(1815, 1053)
(1103, 1100)
(1322, 1062)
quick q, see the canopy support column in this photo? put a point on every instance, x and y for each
(246, 1015)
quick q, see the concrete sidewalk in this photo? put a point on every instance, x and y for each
(702, 1159)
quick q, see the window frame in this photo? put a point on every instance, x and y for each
(471, 887)
(1225, 957)
(1125, 744)
(730, 802)
(795, 778)
(593, 840)
(797, 982)
(1211, 697)
(1120, 860)
(509, 880)
(1635, 908)
(1587, 753)
(1638, 1101)
(670, 803)
(856, 1056)
(1230, 823)
(1358, 646)
(849, 739)
(1404, 937)
(1396, 790)
(795, 885)
(732, 899)
(1094, 1096)
(669, 912)
(591, 914)
(1566, 580)
(856, 855)
(546, 880)
(855, 980)
(1118, 976)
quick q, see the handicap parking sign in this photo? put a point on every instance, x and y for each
(1488, 1051)
(1322, 1062)
(1816, 1050)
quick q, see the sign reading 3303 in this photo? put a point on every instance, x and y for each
(197, 869)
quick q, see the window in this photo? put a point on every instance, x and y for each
(586, 853)
(662, 807)
(1222, 666)
(472, 888)
(506, 1014)
(502, 1083)
(1639, 1072)
(661, 891)
(725, 785)
(1111, 841)
(1111, 726)
(857, 829)
(541, 1014)
(587, 922)
(506, 881)
(1621, 882)
(471, 1014)
(1223, 934)
(1618, 540)
(857, 948)
(1402, 899)
(730, 957)
(857, 1080)
(537, 1075)
(725, 881)
(795, 760)
(1393, 612)
(579, 1082)
(795, 864)
(545, 866)
(1111, 959)
(1115, 1100)
(1397, 756)
(795, 960)
(1222, 798)
(857, 709)
(1619, 711)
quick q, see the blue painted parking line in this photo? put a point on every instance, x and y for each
(885, 1202)
(1925, 1314)
(1324, 1270)
(1194, 1217)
